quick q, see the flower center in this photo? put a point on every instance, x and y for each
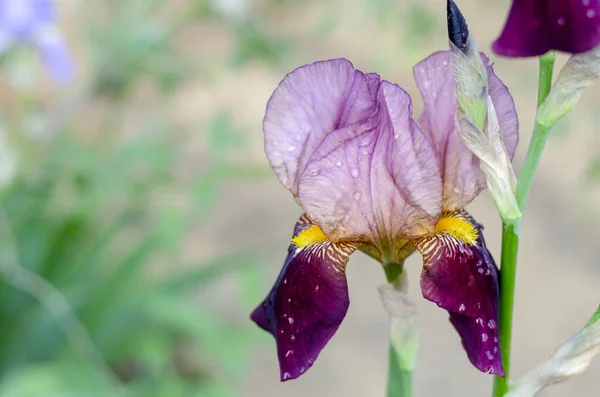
(310, 236)
(457, 228)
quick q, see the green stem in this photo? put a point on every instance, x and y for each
(400, 373)
(400, 382)
(511, 229)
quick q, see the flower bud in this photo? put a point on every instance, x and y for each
(579, 72)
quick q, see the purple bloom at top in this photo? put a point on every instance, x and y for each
(33, 22)
(535, 27)
(370, 177)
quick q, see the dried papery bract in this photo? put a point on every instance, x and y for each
(579, 72)
(570, 359)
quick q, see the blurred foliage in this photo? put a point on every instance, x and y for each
(94, 297)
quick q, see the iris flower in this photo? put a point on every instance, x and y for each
(33, 22)
(370, 177)
(535, 27)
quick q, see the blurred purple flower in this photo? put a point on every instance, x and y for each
(369, 177)
(535, 27)
(33, 22)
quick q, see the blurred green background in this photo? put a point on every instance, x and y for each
(140, 222)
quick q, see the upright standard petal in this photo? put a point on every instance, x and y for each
(311, 102)
(376, 180)
(462, 176)
(460, 275)
(535, 27)
(309, 299)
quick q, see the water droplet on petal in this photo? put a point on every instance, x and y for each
(484, 337)
(286, 375)
(316, 172)
(396, 136)
(492, 324)
(338, 164)
(316, 288)
(357, 195)
(426, 84)
(364, 142)
(489, 355)
(355, 173)
(289, 353)
(293, 338)
(561, 21)
(291, 320)
(590, 14)
(462, 308)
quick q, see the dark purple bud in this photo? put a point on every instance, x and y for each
(458, 31)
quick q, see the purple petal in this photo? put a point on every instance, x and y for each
(308, 104)
(461, 276)
(376, 180)
(307, 303)
(21, 18)
(55, 54)
(463, 179)
(535, 27)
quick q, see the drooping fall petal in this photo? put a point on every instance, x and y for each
(535, 27)
(345, 144)
(460, 275)
(309, 299)
(462, 176)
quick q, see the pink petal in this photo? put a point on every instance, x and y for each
(376, 180)
(308, 104)
(463, 180)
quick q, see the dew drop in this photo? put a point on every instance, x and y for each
(355, 173)
(480, 271)
(291, 320)
(489, 355)
(426, 84)
(285, 281)
(338, 164)
(484, 337)
(291, 148)
(495, 350)
(364, 142)
(289, 353)
(357, 195)
(286, 375)
(586, 2)
(495, 339)
(445, 63)
(316, 172)
(293, 338)
(492, 324)
(477, 306)
(302, 370)
(396, 136)
(299, 137)
(316, 288)
(561, 21)
(479, 321)
(590, 14)
(347, 218)
(462, 307)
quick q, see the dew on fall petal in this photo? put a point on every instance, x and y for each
(495, 340)
(586, 2)
(357, 195)
(291, 320)
(285, 281)
(484, 337)
(426, 84)
(338, 164)
(316, 288)
(590, 13)
(291, 148)
(355, 173)
(489, 355)
(462, 307)
(396, 136)
(289, 353)
(302, 370)
(561, 21)
(492, 324)
(286, 376)
(479, 321)
(495, 350)
(445, 63)
(293, 338)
